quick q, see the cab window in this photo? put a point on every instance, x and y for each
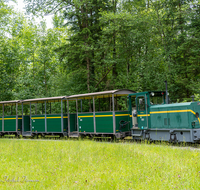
(141, 103)
(156, 98)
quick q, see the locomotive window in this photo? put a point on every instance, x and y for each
(156, 100)
(133, 102)
(141, 103)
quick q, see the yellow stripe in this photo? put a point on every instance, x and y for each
(9, 118)
(130, 115)
(37, 117)
(103, 115)
(106, 115)
(122, 115)
(48, 117)
(53, 117)
(175, 111)
(19, 118)
(56, 117)
(143, 115)
(86, 116)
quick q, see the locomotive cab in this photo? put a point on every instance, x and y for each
(140, 104)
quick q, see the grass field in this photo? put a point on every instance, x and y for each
(33, 164)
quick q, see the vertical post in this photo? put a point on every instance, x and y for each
(61, 116)
(3, 120)
(30, 118)
(16, 117)
(167, 100)
(117, 104)
(45, 115)
(65, 107)
(77, 114)
(22, 119)
(81, 106)
(94, 119)
(68, 117)
(113, 103)
(35, 108)
(50, 107)
(146, 111)
(42, 108)
(192, 98)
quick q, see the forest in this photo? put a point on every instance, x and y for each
(98, 45)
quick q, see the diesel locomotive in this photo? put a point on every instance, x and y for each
(115, 114)
(154, 119)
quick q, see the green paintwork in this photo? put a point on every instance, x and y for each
(166, 116)
(26, 123)
(54, 124)
(86, 123)
(19, 123)
(143, 116)
(9, 123)
(73, 122)
(122, 116)
(104, 124)
(65, 123)
(175, 119)
(38, 124)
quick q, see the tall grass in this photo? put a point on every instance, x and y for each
(33, 164)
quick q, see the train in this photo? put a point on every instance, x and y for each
(115, 114)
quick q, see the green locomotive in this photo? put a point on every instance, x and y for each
(153, 119)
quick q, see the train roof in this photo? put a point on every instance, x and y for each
(11, 102)
(48, 99)
(172, 105)
(103, 94)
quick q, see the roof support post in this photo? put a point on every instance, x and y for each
(77, 114)
(16, 117)
(146, 103)
(35, 108)
(94, 119)
(42, 108)
(30, 119)
(65, 107)
(45, 115)
(61, 116)
(68, 117)
(81, 106)
(22, 120)
(113, 104)
(3, 120)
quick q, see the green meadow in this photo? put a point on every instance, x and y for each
(68, 164)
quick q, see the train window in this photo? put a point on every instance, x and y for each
(104, 104)
(133, 102)
(141, 103)
(156, 100)
(9, 110)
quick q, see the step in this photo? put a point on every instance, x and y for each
(26, 134)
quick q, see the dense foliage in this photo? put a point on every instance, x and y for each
(98, 45)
